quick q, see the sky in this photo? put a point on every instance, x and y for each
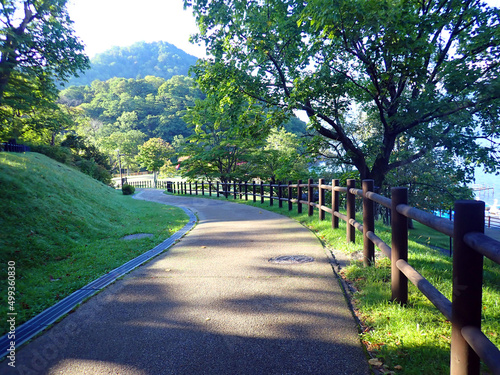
(102, 24)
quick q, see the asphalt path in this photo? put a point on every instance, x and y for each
(213, 304)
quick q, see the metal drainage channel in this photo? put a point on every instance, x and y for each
(291, 259)
(37, 324)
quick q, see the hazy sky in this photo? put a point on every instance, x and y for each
(102, 24)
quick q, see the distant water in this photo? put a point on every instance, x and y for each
(487, 180)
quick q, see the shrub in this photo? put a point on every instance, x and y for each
(128, 189)
(61, 154)
(86, 164)
(94, 170)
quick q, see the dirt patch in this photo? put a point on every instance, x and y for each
(137, 236)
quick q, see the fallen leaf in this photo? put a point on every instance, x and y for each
(398, 367)
(375, 362)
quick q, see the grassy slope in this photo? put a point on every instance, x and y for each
(63, 230)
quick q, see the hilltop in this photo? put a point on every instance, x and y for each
(159, 59)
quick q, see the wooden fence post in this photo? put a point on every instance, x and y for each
(399, 226)
(335, 203)
(299, 197)
(196, 187)
(271, 200)
(253, 192)
(217, 187)
(310, 209)
(351, 211)
(280, 202)
(246, 190)
(467, 286)
(289, 188)
(202, 188)
(262, 192)
(190, 188)
(235, 195)
(321, 194)
(368, 224)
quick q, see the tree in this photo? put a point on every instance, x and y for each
(422, 71)
(283, 157)
(153, 105)
(37, 46)
(153, 155)
(228, 129)
(127, 142)
(427, 189)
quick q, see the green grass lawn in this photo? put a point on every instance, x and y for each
(414, 339)
(63, 230)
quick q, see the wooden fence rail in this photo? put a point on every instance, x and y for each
(468, 343)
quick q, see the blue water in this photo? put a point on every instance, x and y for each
(489, 180)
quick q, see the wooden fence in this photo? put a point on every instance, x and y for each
(469, 345)
(13, 147)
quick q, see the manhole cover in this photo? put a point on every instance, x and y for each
(291, 259)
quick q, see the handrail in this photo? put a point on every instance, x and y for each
(484, 244)
(438, 223)
(386, 249)
(486, 350)
(442, 303)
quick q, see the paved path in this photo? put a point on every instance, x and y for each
(213, 304)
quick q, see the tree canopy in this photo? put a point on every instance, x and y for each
(37, 47)
(385, 82)
(124, 113)
(153, 155)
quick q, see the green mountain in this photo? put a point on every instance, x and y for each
(159, 59)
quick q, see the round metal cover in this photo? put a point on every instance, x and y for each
(291, 259)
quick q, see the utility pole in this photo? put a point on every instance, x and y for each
(120, 165)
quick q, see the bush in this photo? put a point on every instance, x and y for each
(128, 189)
(61, 154)
(94, 170)
(87, 165)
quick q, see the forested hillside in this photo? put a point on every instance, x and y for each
(160, 59)
(121, 114)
